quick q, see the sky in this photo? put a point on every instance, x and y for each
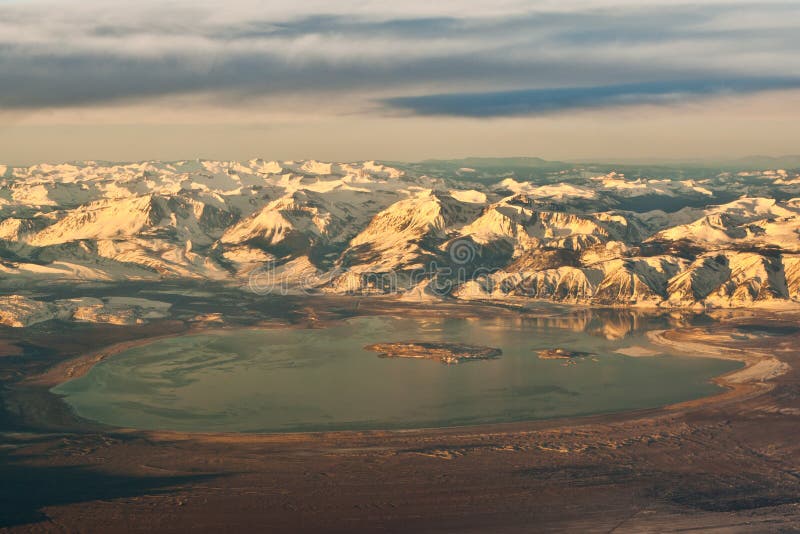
(362, 79)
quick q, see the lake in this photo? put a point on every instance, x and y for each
(281, 380)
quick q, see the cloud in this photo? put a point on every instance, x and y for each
(519, 55)
(545, 101)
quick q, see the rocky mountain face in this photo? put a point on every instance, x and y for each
(369, 228)
(18, 311)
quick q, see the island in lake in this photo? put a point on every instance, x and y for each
(444, 352)
(562, 354)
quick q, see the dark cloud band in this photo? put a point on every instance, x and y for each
(96, 52)
(543, 101)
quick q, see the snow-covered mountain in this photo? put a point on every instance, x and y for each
(568, 236)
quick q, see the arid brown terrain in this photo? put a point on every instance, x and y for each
(731, 462)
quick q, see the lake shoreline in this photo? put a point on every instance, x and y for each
(683, 463)
(740, 382)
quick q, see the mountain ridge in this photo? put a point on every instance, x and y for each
(570, 234)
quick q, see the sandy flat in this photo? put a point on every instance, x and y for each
(638, 351)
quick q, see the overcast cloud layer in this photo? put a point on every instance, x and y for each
(465, 58)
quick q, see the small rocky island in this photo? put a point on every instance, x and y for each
(562, 354)
(444, 352)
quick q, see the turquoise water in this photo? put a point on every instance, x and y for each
(323, 379)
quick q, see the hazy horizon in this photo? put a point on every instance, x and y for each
(793, 160)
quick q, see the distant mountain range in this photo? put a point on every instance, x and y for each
(475, 228)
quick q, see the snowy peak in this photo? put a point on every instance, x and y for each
(427, 213)
(408, 233)
(185, 218)
(296, 214)
(747, 221)
(601, 238)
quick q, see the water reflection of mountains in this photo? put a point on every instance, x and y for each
(615, 324)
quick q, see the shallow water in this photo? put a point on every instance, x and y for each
(323, 379)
